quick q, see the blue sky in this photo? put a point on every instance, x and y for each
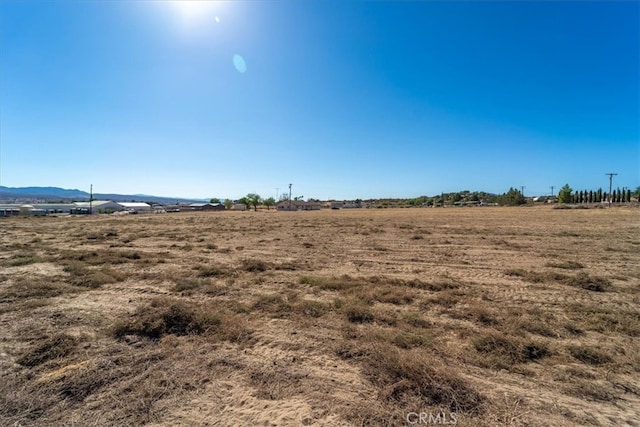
(344, 99)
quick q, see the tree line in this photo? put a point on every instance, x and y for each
(251, 200)
(568, 195)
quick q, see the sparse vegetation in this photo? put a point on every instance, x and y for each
(362, 315)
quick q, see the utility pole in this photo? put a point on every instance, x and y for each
(90, 199)
(611, 174)
(552, 187)
(522, 187)
(290, 196)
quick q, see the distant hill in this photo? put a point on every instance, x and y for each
(41, 192)
(11, 194)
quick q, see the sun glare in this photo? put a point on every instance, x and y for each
(196, 9)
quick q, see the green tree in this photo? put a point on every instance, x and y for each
(254, 200)
(214, 200)
(245, 201)
(228, 204)
(268, 202)
(565, 194)
(513, 197)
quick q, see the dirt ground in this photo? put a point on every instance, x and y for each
(468, 316)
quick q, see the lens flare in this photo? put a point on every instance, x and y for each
(239, 63)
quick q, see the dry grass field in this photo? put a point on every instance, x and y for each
(479, 316)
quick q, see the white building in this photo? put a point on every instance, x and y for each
(98, 206)
(137, 207)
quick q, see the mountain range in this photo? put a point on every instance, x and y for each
(56, 194)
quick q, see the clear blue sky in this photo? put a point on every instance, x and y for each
(344, 99)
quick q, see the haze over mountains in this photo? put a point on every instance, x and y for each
(56, 194)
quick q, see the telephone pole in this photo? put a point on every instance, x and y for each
(552, 187)
(90, 199)
(611, 174)
(290, 196)
(522, 187)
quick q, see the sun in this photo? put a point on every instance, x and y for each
(195, 9)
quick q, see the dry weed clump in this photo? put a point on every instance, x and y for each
(590, 355)
(480, 314)
(37, 288)
(410, 339)
(165, 316)
(590, 283)
(606, 319)
(213, 270)
(536, 277)
(289, 304)
(567, 265)
(54, 347)
(358, 312)
(412, 379)
(581, 280)
(100, 257)
(435, 286)
(504, 352)
(22, 259)
(275, 304)
(254, 265)
(592, 390)
(275, 382)
(91, 277)
(342, 283)
(367, 290)
(125, 385)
